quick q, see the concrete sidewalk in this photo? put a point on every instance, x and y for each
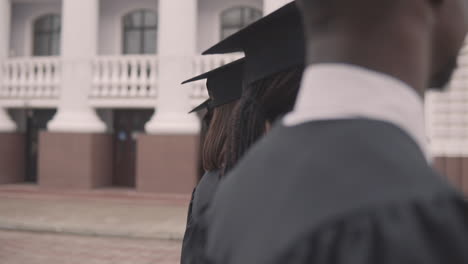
(112, 212)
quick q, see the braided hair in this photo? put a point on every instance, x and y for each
(261, 103)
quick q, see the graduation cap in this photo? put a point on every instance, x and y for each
(224, 84)
(271, 44)
(204, 105)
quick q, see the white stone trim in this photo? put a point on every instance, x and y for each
(6, 123)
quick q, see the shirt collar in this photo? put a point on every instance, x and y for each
(340, 91)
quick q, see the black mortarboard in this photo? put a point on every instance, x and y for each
(224, 84)
(271, 44)
(204, 105)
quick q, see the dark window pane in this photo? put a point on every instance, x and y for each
(251, 16)
(137, 19)
(132, 42)
(140, 32)
(42, 48)
(55, 44)
(134, 19)
(127, 22)
(47, 45)
(56, 23)
(38, 45)
(228, 32)
(41, 25)
(150, 42)
(47, 36)
(234, 19)
(47, 23)
(150, 19)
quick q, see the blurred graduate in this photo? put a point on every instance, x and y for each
(224, 86)
(270, 81)
(346, 177)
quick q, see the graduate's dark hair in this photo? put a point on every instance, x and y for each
(205, 124)
(213, 150)
(263, 101)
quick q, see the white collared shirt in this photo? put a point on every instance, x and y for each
(340, 91)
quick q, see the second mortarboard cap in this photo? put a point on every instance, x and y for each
(224, 84)
(271, 44)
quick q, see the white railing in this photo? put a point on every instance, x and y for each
(122, 77)
(118, 81)
(30, 78)
(202, 64)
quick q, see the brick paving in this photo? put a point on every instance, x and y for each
(116, 213)
(106, 226)
(111, 193)
(39, 248)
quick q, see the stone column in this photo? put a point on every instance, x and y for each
(6, 124)
(79, 47)
(271, 5)
(76, 153)
(177, 47)
(167, 155)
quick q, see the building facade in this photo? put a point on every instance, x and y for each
(447, 125)
(90, 92)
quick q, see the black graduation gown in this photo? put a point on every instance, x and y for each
(334, 192)
(200, 201)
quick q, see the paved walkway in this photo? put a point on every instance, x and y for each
(34, 248)
(104, 213)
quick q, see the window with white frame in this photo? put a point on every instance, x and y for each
(47, 31)
(140, 32)
(236, 18)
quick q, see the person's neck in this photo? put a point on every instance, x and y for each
(402, 57)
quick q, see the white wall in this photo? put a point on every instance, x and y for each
(110, 24)
(23, 16)
(209, 26)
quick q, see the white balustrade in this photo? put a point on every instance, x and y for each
(30, 78)
(118, 81)
(447, 114)
(120, 77)
(202, 64)
(131, 81)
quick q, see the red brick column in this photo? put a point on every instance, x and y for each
(75, 160)
(12, 158)
(455, 169)
(167, 163)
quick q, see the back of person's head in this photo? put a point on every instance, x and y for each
(213, 150)
(420, 38)
(262, 103)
